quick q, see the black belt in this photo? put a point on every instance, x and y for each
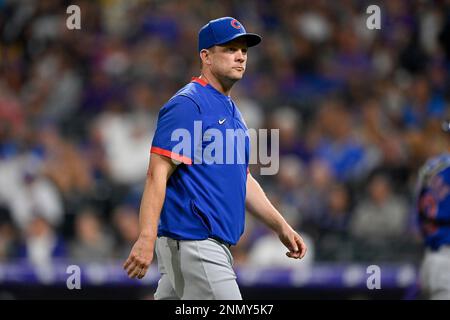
(221, 241)
(436, 222)
(214, 238)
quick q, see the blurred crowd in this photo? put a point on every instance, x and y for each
(358, 112)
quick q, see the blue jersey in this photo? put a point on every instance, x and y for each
(205, 196)
(433, 201)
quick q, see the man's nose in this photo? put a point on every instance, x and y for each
(240, 55)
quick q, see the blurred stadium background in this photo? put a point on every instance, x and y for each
(358, 112)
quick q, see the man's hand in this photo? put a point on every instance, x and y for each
(159, 170)
(294, 242)
(140, 257)
(259, 205)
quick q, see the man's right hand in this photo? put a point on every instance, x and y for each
(140, 257)
(159, 170)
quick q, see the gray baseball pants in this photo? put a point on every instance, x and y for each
(195, 270)
(435, 274)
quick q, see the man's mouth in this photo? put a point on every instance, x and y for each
(239, 68)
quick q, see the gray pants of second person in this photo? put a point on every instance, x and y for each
(195, 270)
(435, 274)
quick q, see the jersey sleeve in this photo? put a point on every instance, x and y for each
(175, 136)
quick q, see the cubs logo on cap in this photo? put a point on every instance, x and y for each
(235, 24)
(223, 30)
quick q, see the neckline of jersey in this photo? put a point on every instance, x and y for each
(205, 84)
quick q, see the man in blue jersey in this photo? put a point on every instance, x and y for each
(195, 197)
(433, 204)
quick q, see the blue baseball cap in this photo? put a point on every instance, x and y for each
(223, 30)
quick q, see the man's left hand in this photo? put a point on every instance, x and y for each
(294, 242)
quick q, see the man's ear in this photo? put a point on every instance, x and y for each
(205, 56)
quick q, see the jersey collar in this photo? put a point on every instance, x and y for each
(200, 81)
(204, 83)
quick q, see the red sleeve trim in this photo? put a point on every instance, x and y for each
(171, 155)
